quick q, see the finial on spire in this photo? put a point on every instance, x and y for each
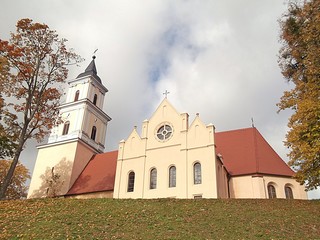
(252, 122)
(94, 54)
(166, 93)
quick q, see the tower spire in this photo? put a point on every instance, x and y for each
(91, 70)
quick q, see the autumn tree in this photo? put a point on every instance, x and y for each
(17, 187)
(37, 63)
(299, 60)
(7, 140)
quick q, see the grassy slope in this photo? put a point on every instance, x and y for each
(159, 219)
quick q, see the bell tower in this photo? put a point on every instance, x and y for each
(76, 140)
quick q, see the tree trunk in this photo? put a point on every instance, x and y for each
(7, 179)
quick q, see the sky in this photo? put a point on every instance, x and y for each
(216, 58)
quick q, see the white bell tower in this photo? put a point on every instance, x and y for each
(76, 140)
(82, 114)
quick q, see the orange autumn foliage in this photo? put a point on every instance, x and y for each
(37, 61)
(300, 64)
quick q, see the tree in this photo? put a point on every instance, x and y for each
(17, 188)
(299, 60)
(7, 141)
(37, 61)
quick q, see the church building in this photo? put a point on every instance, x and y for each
(170, 158)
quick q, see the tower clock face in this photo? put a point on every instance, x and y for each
(164, 132)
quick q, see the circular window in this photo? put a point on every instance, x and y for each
(164, 132)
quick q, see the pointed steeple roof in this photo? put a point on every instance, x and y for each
(91, 70)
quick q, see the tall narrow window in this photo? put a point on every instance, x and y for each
(197, 173)
(272, 191)
(153, 178)
(93, 133)
(131, 182)
(288, 192)
(172, 176)
(76, 96)
(66, 128)
(95, 98)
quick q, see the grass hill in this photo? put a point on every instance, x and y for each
(159, 219)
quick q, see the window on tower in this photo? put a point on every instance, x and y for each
(66, 128)
(76, 96)
(95, 97)
(93, 133)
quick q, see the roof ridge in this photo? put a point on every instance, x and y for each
(236, 130)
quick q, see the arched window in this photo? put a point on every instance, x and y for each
(172, 176)
(131, 182)
(288, 192)
(93, 133)
(76, 96)
(197, 173)
(66, 128)
(272, 191)
(153, 178)
(95, 98)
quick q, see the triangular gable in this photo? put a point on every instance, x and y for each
(97, 176)
(197, 121)
(165, 109)
(133, 134)
(199, 133)
(245, 151)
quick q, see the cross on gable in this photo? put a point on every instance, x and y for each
(166, 93)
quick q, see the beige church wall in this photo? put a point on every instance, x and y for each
(208, 187)
(121, 182)
(256, 187)
(280, 182)
(105, 194)
(162, 159)
(241, 187)
(222, 180)
(200, 148)
(61, 158)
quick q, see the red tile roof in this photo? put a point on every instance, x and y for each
(245, 151)
(98, 175)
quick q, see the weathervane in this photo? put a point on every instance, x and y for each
(94, 53)
(166, 93)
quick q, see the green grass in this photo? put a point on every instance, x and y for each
(159, 219)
